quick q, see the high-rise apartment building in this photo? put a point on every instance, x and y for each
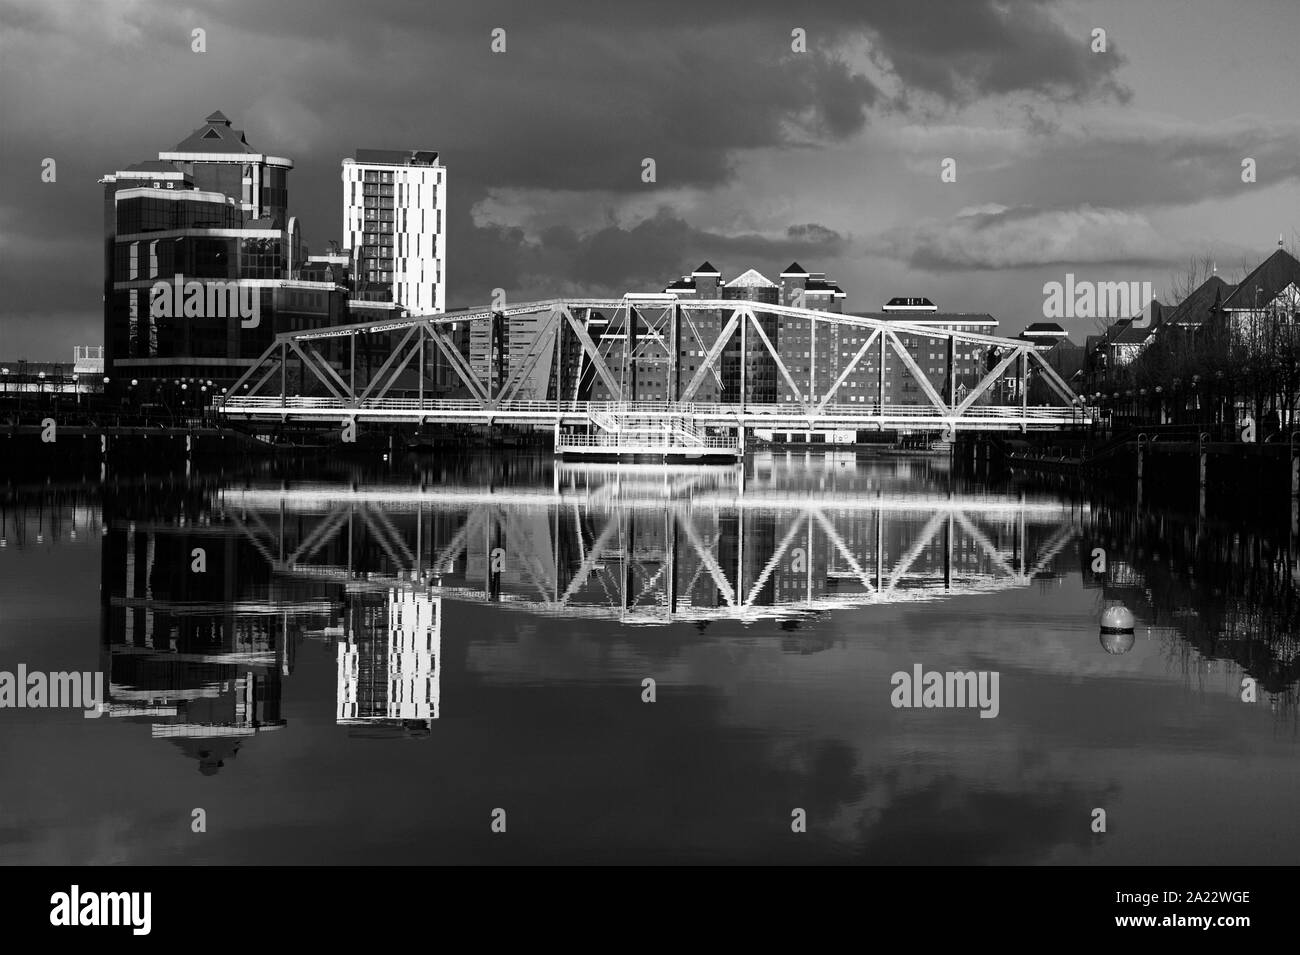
(201, 264)
(394, 222)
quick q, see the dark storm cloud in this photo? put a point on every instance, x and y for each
(663, 247)
(954, 50)
(1151, 166)
(614, 259)
(963, 51)
(580, 97)
(583, 94)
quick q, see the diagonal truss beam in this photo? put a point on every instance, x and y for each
(705, 554)
(592, 352)
(699, 339)
(383, 369)
(842, 548)
(251, 534)
(308, 362)
(382, 539)
(385, 522)
(848, 370)
(917, 375)
(987, 381)
(771, 349)
(457, 362)
(542, 344)
(796, 526)
(1064, 534)
(269, 353)
(715, 351)
(979, 537)
(653, 330)
(579, 579)
(919, 543)
(330, 370)
(1054, 381)
(264, 379)
(649, 583)
(317, 538)
(456, 546)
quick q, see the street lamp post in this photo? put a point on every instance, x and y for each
(1221, 412)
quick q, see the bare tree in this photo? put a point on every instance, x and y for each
(1197, 272)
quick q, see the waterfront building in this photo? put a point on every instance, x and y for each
(1119, 344)
(1044, 335)
(1263, 303)
(700, 329)
(648, 373)
(500, 347)
(200, 657)
(202, 265)
(760, 376)
(969, 361)
(394, 204)
(801, 344)
(1067, 360)
(1193, 312)
(83, 375)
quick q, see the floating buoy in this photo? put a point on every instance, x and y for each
(1117, 629)
(1117, 619)
(1114, 642)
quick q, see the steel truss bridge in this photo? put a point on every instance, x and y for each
(654, 551)
(548, 378)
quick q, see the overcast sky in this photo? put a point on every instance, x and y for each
(1114, 166)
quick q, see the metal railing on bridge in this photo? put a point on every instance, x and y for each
(646, 442)
(607, 414)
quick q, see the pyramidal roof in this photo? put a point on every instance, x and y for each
(706, 269)
(751, 278)
(1270, 278)
(1130, 333)
(795, 269)
(1194, 309)
(215, 136)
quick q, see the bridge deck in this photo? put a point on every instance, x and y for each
(586, 413)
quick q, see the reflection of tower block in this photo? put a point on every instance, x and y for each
(388, 673)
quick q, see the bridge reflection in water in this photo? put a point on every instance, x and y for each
(365, 571)
(201, 657)
(654, 545)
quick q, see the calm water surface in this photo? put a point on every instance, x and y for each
(369, 664)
